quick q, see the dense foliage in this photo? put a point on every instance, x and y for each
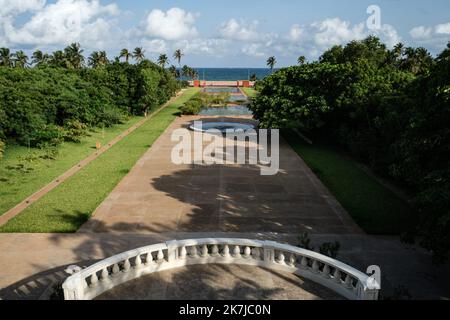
(59, 98)
(389, 108)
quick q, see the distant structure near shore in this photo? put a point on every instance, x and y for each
(239, 83)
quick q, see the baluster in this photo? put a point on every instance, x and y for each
(105, 274)
(226, 251)
(215, 250)
(183, 253)
(160, 256)
(116, 269)
(194, 252)
(292, 260)
(236, 252)
(126, 265)
(281, 258)
(337, 276)
(326, 271)
(304, 263)
(85, 284)
(149, 259)
(204, 251)
(315, 266)
(348, 282)
(138, 261)
(247, 252)
(256, 253)
(94, 279)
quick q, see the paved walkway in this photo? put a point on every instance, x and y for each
(159, 196)
(159, 201)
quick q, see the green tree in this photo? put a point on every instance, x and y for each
(58, 59)
(301, 60)
(163, 60)
(138, 54)
(6, 58)
(20, 59)
(98, 59)
(178, 55)
(74, 56)
(124, 53)
(271, 62)
(39, 58)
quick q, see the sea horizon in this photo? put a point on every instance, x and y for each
(231, 74)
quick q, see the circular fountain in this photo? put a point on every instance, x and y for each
(221, 126)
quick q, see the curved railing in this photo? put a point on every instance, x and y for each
(109, 273)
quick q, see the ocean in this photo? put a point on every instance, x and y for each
(230, 74)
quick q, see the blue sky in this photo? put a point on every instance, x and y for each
(220, 33)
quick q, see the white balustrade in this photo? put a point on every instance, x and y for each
(109, 273)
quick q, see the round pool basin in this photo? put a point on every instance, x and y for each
(222, 126)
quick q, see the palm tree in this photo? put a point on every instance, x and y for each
(40, 58)
(58, 59)
(98, 59)
(5, 57)
(399, 50)
(74, 56)
(177, 56)
(20, 59)
(173, 70)
(163, 60)
(417, 60)
(185, 71)
(271, 62)
(301, 60)
(125, 54)
(138, 54)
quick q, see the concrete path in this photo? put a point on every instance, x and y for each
(159, 196)
(158, 201)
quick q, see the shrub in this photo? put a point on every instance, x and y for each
(74, 131)
(110, 117)
(192, 107)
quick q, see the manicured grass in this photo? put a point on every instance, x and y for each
(24, 170)
(67, 207)
(376, 209)
(250, 92)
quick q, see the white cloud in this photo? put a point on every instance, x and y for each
(331, 32)
(421, 32)
(175, 24)
(240, 31)
(296, 33)
(433, 38)
(155, 46)
(8, 7)
(388, 35)
(203, 46)
(443, 28)
(256, 50)
(63, 22)
(314, 38)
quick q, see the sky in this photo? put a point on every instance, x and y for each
(221, 33)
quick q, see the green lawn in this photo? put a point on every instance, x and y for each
(376, 209)
(24, 170)
(250, 92)
(71, 204)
